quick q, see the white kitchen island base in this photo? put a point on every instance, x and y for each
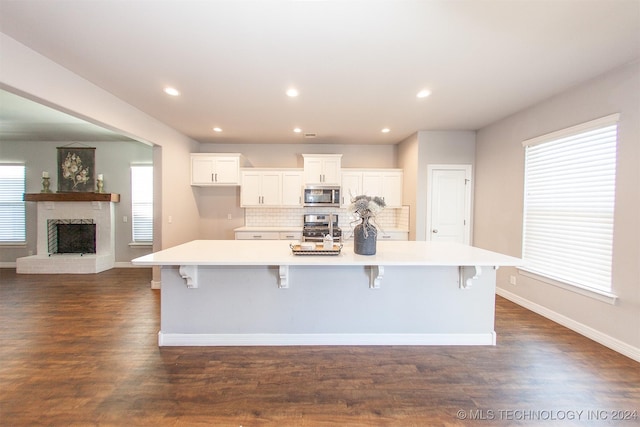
(387, 299)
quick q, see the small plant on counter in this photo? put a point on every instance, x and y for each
(365, 209)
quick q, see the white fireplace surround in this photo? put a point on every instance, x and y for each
(102, 213)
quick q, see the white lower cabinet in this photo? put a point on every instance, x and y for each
(268, 235)
(394, 235)
(257, 235)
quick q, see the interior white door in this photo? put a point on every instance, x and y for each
(449, 201)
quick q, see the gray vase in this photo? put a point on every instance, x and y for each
(364, 245)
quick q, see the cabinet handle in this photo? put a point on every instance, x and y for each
(257, 236)
(212, 178)
(216, 177)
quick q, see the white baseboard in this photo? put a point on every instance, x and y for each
(169, 339)
(127, 264)
(155, 284)
(587, 331)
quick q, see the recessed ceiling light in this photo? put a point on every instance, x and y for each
(297, 130)
(386, 130)
(217, 129)
(423, 93)
(171, 91)
(292, 92)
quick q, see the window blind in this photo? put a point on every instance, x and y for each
(569, 204)
(142, 203)
(12, 207)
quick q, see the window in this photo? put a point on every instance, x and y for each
(12, 208)
(569, 204)
(142, 203)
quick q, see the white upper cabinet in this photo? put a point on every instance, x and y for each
(271, 188)
(385, 183)
(261, 188)
(322, 168)
(292, 188)
(351, 186)
(211, 169)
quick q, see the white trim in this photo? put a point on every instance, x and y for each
(596, 294)
(156, 284)
(602, 121)
(140, 244)
(169, 339)
(127, 264)
(8, 264)
(587, 331)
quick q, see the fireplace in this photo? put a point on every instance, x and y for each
(71, 236)
(75, 234)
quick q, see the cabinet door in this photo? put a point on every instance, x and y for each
(271, 188)
(351, 186)
(257, 235)
(372, 184)
(392, 189)
(202, 170)
(226, 170)
(312, 170)
(331, 171)
(250, 191)
(292, 188)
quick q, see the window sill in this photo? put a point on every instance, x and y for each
(596, 294)
(141, 244)
(13, 245)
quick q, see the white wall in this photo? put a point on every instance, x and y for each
(499, 192)
(29, 74)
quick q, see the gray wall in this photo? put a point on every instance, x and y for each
(430, 148)
(499, 192)
(113, 160)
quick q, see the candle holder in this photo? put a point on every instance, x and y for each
(45, 185)
(100, 185)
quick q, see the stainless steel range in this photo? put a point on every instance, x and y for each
(316, 226)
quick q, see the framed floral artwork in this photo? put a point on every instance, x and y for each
(76, 169)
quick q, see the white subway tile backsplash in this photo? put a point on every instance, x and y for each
(293, 217)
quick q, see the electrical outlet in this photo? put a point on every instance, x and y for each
(170, 219)
(125, 219)
(229, 216)
(512, 280)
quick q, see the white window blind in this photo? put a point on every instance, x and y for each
(12, 207)
(142, 203)
(569, 204)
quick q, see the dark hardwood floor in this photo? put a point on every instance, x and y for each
(82, 350)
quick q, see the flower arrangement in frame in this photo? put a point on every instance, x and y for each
(76, 169)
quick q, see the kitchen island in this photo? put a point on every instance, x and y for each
(239, 292)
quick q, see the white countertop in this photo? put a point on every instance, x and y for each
(278, 252)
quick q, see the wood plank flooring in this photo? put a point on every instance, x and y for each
(82, 350)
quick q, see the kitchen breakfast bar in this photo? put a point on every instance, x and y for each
(244, 292)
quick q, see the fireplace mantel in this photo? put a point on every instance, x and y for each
(72, 197)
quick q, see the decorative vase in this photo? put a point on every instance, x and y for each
(364, 239)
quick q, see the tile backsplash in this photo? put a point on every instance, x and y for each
(292, 217)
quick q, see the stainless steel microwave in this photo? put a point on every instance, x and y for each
(321, 195)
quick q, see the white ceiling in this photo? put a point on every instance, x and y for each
(357, 64)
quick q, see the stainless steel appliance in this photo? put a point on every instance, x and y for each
(316, 226)
(321, 195)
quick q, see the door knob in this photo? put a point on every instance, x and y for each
(435, 231)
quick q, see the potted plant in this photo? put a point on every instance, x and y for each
(365, 209)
